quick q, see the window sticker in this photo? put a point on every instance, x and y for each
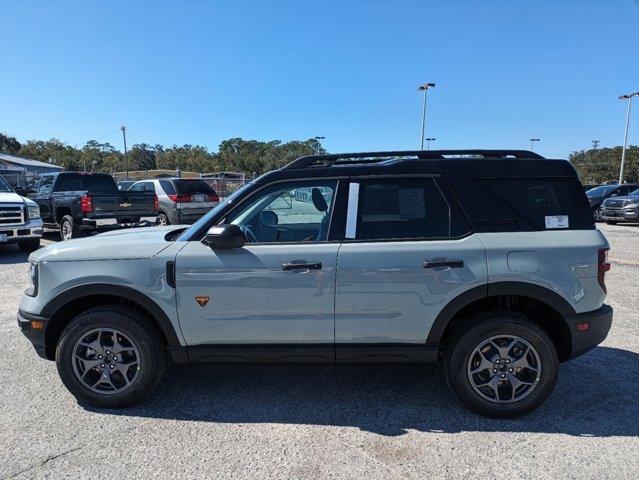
(556, 221)
(411, 203)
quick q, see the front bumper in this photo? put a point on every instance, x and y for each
(34, 327)
(17, 233)
(598, 325)
(626, 214)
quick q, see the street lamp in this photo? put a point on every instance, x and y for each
(625, 137)
(428, 140)
(531, 143)
(319, 144)
(424, 88)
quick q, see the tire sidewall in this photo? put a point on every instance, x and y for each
(150, 365)
(457, 363)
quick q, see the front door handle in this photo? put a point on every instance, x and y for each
(302, 266)
(450, 263)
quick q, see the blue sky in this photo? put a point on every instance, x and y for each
(198, 72)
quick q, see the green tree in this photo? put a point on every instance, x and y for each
(602, 165)
(53, 151)
(9, 144)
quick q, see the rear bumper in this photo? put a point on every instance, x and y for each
(599, 322)
(35, 335)
(114, 223)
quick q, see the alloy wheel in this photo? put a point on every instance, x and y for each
(106, 361)
(504, 369)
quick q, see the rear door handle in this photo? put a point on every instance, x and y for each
(302, 266)
(450, 263)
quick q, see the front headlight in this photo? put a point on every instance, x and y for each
(632, 205)
(34, 211)
(32, 291)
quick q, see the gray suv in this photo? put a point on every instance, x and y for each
(486, 261)
(182, 201)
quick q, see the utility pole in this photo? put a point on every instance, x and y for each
(126, 161)
(625, 136)
(319, 144)
(531, 143)
(428, 140)
(424, 88)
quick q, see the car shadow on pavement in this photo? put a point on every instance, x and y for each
(596, 396)
(11, 255)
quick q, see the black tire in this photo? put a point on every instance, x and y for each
(30, 245)
(136, 326)
(611, 222)
(482, 327)
(163, 219)
(67, 222)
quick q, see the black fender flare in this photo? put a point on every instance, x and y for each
(128, 293)
(522, 289)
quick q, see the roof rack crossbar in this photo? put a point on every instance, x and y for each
(374, 157)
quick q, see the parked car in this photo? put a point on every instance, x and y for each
(19, 219)
(621, 209)
(78, 203)
(124, 185)
(590, 186)
(488, 261)
(182, 200)
(597, 195)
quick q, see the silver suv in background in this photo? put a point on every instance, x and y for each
(621, 209)
(182, 200)
(488, 261)
(20, 220)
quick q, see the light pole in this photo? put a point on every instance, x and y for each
(428, 140)
(625, 136)
(126, 161)
(531, 143)
(424, 88)
(319, 144)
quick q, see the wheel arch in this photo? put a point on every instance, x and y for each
(542, 305)
(66, 305)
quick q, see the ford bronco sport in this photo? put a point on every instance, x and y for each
(487, 261)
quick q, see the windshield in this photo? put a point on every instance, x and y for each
(214, 211)
(4, 186)
(634, 193)
(599, 191)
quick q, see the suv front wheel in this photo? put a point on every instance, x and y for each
(111, 356)
(503, 365)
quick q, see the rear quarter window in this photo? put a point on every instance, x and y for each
(523, 204)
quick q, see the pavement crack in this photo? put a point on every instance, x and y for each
(45, 461)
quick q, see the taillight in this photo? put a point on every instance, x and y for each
(214, 197)
(86, 204)
(180, 198)
(156, 203)
(602, 267)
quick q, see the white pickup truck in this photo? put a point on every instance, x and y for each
(20, 220)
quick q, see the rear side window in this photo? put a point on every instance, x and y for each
(92, 183)
(523, 204)
(167, 186)
(406, 209)
(189, 187)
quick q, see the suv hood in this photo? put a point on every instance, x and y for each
(135, 243)
(624, 200)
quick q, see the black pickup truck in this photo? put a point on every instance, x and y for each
(78, 203)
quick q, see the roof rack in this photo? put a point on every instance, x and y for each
(375, 157)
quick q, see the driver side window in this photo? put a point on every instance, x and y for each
(287, 212)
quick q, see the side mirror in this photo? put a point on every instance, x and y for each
(225, 236)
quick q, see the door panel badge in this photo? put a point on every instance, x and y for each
(202, 300)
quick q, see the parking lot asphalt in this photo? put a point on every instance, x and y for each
(325, 422)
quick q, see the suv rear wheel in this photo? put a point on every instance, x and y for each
(111, 356)
(503, 366)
